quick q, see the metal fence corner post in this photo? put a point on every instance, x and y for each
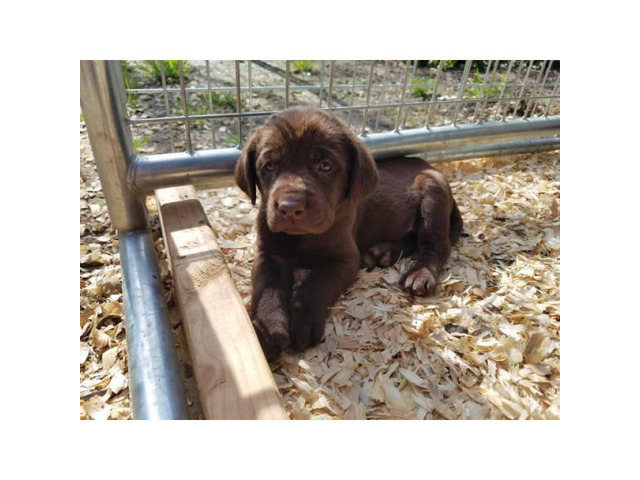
(155, 383)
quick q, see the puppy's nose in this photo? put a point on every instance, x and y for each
(290, 208)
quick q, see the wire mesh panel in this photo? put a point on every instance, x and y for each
(187, 117)
(194, 105)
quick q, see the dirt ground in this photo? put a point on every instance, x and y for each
(154, 138)
(485, 346)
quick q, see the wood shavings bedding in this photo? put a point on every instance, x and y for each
(485, 346)
(104, 376)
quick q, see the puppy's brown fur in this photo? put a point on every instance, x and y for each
(326, 206)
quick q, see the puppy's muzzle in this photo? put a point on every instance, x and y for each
(291, 207)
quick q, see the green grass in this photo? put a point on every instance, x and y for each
(148, 73)
(129, 74)
(132, 78)
(138, 143)
(220, 101)
(171, 70)
(420, 90)
(303, 66)
(478, 91)
(479, 65)
(224, 100)
(446, 64)
(231, 141)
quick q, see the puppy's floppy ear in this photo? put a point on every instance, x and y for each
(245, 171)
(363, 173)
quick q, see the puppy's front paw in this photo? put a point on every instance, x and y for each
(419, 281)
(273, 332)
(307, 323)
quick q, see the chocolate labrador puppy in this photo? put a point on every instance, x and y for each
(328, 208)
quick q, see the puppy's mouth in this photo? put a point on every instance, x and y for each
(293, 227)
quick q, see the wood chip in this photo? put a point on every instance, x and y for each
(118, 382)
(485, 346)
(451, 355)
(109, 358)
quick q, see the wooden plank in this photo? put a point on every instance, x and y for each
(233, 376)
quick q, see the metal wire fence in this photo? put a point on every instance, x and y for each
(181, 123)
(207, 104)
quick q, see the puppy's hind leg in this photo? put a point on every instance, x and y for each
(438, 226)
(386, 254)
(455, 223)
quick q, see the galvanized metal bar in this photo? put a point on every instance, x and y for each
(526, 76)
(286, 94)
(214, 168)
(163, 78)
(332, 66)
(520, 67)
(103, 106)
(194, 118)
(536, 88)
(553, 96)
(493, 150)
(433, 95)
(321, 82)
(402, 96)
(238, 102)
(368, 101)
(542, 84)
(353, 88)
(187, 127)
(415, 141)
(485, 79)
(465, 76)
(514, 88)
(383, 94)
(201, 168)
(480, 110)
(504, 88)
(155, 383)
(210, 103)
(250, 94)
(546, 77)
(265, 88)
(413, 77)
(524, 83)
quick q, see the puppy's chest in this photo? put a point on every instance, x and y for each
(312, 251)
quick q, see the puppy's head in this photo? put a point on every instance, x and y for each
(308, 166)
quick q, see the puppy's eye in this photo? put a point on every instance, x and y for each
(269, 166)
(325, 166)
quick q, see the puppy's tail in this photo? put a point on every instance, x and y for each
(455, 224)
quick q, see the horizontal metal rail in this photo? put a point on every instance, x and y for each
(214, 168)
(420, 140)
(493, 149)
(337, 86)
(210, 168)
(219, 116)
